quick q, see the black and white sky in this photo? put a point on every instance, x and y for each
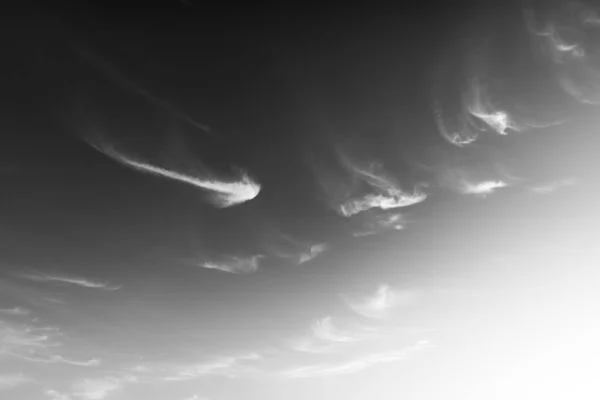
(222, 202)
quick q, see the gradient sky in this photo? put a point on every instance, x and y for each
(221, 203)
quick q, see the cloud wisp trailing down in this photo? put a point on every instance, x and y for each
(113, 73)
(37, 276)
(224, 193)
(355, 365)
(382, 302)
(384, 192)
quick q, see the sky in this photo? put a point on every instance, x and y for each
(204, 202)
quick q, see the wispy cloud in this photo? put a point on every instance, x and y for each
(54, 395)
(355, 365)
(481, 188)
(22, 340)
(36, 344)
(15, 311)
(479, 105)
(470, 182)
(379, 304)
(553, 186)
(96, 389)
(11, 381)
(325, 336)
(384, 192)
(196, 397)
(240, 189)
(574, 58)
(285, 246)
(38, 276)
(461, 135)
(312, 253)
(113, 73)
(227, 366)
(233, 264)
(381, 222)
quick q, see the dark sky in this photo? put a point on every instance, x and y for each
(207, 201)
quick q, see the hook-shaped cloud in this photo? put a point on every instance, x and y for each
(224, 194)
(387, 194)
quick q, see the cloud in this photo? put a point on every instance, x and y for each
(11, 381)
(381, 222)
(234, 264)
(224, 193)
(385, 193)
(569, 45)
(355, 365)
(479, 105)
(312, 253)
(553, 186)
(15, 311)
(379, 304)
(462, 136)
(324, 337)
(96, 389)
(36, 344)
(77, 281)
(196, 397)
(481, 188)
(469, 182)
(21, 340)
(228, 366)
(113, 73)
(54, 395)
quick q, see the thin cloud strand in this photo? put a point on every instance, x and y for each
(235, 265)
(83, 282)
(225, 194)
(354, 365)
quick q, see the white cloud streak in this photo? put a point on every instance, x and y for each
(234, 264)
(228, 366)
(469, 182)
(481, 188)
(551, 187)
(224, 194)
(355, 365)
(71, 280)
